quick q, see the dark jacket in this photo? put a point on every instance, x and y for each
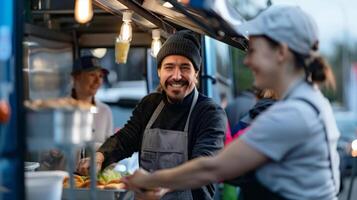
(239, 107)
(206, 130)
(246, 120)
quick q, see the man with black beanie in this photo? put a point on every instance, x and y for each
(173, 126)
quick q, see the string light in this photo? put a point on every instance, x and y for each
(126, 31)
(83, 11)
(156, 42)
(354, 148)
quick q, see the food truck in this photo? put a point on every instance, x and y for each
(40, 39)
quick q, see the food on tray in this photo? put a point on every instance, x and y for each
(78, 181)
(108, 174)
(63, 103)
(114, 181)
(115, 186)
(86, 184)
(106, 179)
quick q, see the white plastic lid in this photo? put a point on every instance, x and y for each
(46, 174)
(127, 15)
(156, 33)
(31, 166)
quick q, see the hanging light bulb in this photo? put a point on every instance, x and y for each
(126, 32)
(99, 52)
(168, 5)
(354, 148)
(83, 11)
(122, 42)
(156, 42)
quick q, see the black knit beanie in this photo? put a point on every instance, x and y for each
(183, 43)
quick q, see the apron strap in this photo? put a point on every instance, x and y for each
(156, 114)
(194, 101)
(327, 139)
(161, 106)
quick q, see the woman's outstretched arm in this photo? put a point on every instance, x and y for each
(235, 160)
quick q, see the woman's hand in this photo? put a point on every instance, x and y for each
(84, 164)
(137, 180)
(137, 183)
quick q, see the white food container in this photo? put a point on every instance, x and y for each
(44, 185)
(31, 166)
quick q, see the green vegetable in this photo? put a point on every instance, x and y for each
(108, 174)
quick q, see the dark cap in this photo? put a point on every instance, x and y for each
(87, 63)
(184, 43)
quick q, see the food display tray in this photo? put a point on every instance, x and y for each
(85, 194)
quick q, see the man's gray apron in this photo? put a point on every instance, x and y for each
(163, 149)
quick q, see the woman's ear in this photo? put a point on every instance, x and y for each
(282, 52)
(76, 78)
(75, 75)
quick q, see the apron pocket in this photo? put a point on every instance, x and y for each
(170, 159)
(148, 160)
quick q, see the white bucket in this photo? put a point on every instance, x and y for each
(44, 185)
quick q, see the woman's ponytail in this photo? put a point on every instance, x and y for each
(320, 72)
(317, 70)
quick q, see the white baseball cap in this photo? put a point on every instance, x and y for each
(285, 24)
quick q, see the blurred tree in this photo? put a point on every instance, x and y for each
(243, 77)
(336, 61)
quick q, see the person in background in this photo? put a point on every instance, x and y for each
(87, 77)
(265, 99)
(289, 151)
(239, 107)
(170, 127)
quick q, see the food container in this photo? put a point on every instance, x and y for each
(31, 166)
(44, 185)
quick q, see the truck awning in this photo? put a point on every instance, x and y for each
(215, 18)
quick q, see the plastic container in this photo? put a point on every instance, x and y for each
(44, 185)
(31, 166)
(47, 128)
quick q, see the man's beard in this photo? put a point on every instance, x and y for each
(179, 96)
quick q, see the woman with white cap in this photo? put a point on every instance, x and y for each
(289, 152)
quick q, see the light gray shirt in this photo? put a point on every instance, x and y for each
(102, 123)
(292, 135)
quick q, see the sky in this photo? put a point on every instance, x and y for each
(336, 19)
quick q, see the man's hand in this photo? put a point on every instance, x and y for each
(84, 164)
(136, 182)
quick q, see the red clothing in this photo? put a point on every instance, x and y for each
(229, 137)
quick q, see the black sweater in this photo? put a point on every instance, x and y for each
(206, 130)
